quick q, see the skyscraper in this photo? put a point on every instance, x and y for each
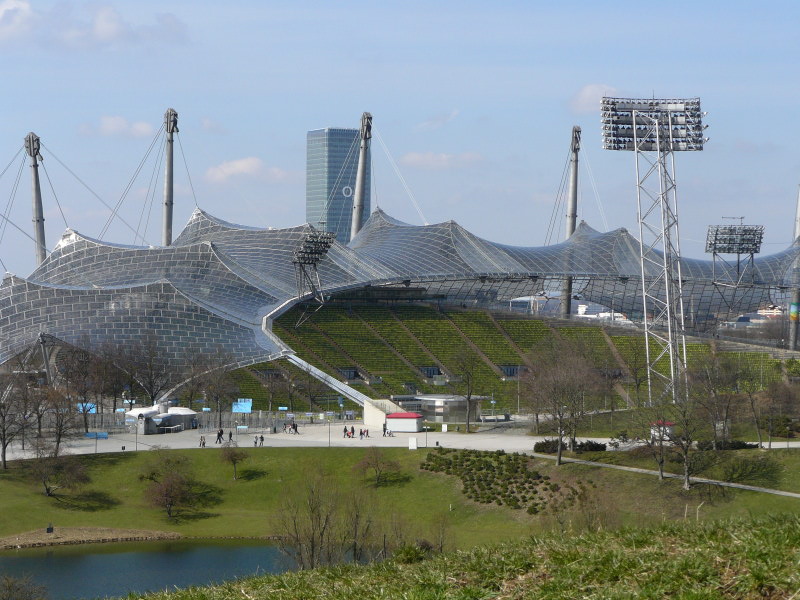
(331, 165)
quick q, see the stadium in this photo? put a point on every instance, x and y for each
(246, 292)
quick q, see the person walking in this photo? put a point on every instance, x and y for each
(261, 440)
(255, 441)
(384, 430)
(230, 436)
(345, 431)
(219, 436)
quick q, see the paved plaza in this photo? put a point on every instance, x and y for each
(500, 437)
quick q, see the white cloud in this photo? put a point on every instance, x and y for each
(250, 166)
(440, 161)
(16, 18)
(587, 100)
(87, 26)
(120, 126)
(438, 121)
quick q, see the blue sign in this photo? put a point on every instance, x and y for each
(243, 405)
(86, 407)
(283, 408)
(206, 409)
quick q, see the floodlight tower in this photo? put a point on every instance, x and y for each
(307, 256)
(655, 129)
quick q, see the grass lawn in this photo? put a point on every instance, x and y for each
(419, 502)
(115, 496)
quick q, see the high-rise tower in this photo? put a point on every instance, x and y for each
(331, 165)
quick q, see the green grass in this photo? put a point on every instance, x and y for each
(741, 558)
(115, 497)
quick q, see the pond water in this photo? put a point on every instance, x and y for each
(110, 570)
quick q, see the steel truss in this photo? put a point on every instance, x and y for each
(659, 251)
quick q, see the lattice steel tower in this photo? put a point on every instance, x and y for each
(655, 130)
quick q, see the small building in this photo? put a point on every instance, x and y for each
(407, 422)
(661, 431)
(442, 408)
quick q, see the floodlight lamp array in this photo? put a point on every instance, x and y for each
(314, 247)
(671, 124)
(734, 239)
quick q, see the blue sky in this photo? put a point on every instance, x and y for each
(475, 102)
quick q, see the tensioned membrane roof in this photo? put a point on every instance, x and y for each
(219, 284)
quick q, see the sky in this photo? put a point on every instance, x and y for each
(473, 105)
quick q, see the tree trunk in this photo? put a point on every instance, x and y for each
(755, 421)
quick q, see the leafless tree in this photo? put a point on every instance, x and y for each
(376, 462)
(170, 480)
(62, 416)
(563, 378)
(14, 410)
(55, 471)
(713, 382)
(219, 386)
(232, 455)
(144, 360)
(776, 403)
(77, 368)
(466, 365)
(308, 522)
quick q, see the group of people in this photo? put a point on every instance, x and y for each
(258, 440)
(290, 428)
(220, 435)
(351, 432)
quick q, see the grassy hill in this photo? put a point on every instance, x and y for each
(745, 558)
(395, 349)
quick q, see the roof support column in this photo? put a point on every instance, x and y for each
(572, 215)
(170, 126)
(32, 146)
(361, 175)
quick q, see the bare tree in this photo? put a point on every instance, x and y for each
(563, 378)
(232, 455)
(308, 522)
(466, 365)
(376, 462)
(635, 354)
(62, 416)
(776, 401)
(147, 364)
(77, 368)
(713, 381)
(14, 411)
(55, 472)
(170, 479)
(684, 413)
(750, 381)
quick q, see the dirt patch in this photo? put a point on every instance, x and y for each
(81, 535)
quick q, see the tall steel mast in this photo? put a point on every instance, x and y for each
(572, 215)
(361, 175)
(654, 129)
(170, 126)
(32, 146)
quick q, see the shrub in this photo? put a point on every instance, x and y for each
(548, 446)
(589, 446)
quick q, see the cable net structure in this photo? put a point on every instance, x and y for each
(220, 285)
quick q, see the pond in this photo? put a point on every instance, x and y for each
(110, 570)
